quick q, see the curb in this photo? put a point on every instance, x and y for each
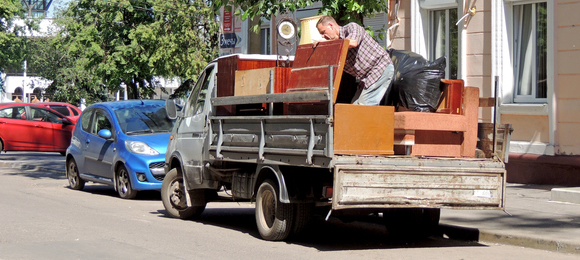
(474, 234)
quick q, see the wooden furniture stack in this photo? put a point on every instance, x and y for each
(358, 129)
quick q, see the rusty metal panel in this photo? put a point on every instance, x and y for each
(367, 186)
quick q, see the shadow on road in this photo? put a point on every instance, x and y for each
(331, 235)
(109, 191)
(34, 173)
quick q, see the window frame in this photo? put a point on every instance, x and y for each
(432, 37)
(528, 99)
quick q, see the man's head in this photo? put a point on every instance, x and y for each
(328, 28)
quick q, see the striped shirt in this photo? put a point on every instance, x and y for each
(368, 60)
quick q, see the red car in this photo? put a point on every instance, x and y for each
(30, 127)
(66, 109)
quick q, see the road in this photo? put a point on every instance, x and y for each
(41, 218)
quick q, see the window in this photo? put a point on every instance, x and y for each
(198, 93)
(444, 39)
(101, 122)
(530, 52)
(13, 113)
(265, 41)
(44, 115)
(61, 109)
(86, 119)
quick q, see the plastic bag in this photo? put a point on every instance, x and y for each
(416, 83)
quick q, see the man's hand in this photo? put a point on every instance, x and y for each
(315, 43)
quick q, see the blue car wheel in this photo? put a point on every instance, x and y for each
(124, 187)
(72, 174)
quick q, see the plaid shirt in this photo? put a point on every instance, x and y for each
(368, 60)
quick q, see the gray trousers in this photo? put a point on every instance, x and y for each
(375, 92)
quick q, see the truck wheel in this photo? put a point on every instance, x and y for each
(302, 217)
(72, 174)
(174, 199)
(412, 223)
(273, 218)
(124, 187)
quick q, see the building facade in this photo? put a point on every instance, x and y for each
(523, 52)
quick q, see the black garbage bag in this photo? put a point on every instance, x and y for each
(416, 83)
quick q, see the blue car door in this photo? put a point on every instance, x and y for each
(100, 152)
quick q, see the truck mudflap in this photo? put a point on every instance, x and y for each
(398, 186)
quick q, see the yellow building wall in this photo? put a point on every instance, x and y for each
(478, 54)
(401, 38)
(567, 70)
(528, 128)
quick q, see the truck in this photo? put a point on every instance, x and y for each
(277, 133)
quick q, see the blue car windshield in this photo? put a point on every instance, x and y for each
(144, 119)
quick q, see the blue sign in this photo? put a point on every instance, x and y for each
(229, 40)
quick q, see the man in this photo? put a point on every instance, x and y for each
(366, 59)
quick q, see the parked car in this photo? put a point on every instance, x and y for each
(30, 127)
(121, 144)
(66, 109)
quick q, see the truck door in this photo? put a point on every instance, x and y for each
(193, 127)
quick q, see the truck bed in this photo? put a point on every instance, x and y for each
(360, 181)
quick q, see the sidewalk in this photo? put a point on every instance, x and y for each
(531, 218)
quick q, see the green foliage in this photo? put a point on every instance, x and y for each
(11, 46)
(71, 81)
(343, 11)
(133, 41)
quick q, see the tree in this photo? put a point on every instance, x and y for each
(10, 43)
(71, 81)
(343, 11)
(133, 41)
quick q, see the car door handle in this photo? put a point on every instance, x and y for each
(39, 126)
(2, 122)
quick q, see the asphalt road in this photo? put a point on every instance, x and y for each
(41, 218)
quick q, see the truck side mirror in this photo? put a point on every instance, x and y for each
(171, 109)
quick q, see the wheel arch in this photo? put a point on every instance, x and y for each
(175, 161)
(264, 172)
(115, 175)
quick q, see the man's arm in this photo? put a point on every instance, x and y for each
(352, 43)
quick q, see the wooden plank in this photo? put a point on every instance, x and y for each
(360, 129)
(267, 98)
(486, 102)
(226, 76)
(310, 67)
(451, 101)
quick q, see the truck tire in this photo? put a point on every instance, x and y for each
(174, 199)
(302, 218)
(412, 223)
(273, 218)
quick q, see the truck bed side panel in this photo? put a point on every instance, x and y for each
(398, 185)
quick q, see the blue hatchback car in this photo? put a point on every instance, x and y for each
(122, 144)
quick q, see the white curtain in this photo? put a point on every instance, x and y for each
(524, 49)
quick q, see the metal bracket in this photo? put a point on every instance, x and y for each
(262, 142)
(310, 144)
(218, 153)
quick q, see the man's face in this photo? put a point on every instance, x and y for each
(328, 31)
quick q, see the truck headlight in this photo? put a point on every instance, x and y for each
(140, 148)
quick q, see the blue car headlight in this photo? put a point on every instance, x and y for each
(140, 148)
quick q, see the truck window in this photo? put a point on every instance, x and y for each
(197, 97)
